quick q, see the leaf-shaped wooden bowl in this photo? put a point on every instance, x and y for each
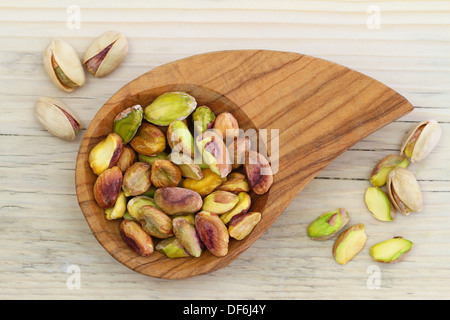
(320, 108)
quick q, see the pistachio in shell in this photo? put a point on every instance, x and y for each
(169, 107)
(392, 250)
(379, 205)
(127, 122)
(382, 169)
(328, 224)
(404, 191)
(421, 140)
(56, 117)
(105, 53)
(63, 65)
(149, 140)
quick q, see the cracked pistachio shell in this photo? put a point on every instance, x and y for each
(379, 205)
(105, 53)
(349, 243)
(381, 171)
(57, 118)
(214, 152)
(63, 65)
(392, 250)
(203, 119)
(127, 123)
(328, 224)
(404, 191)
(421, 140)
(169, 107)
(172, 248)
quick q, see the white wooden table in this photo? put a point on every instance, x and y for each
(45, 242)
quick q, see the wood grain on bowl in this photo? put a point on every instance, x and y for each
(320, 109)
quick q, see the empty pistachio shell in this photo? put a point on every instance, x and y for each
(57, 118)
(349, 243)
(404, 191)
(379, 205)
(381, 171)
(392, 250)
(328, 224)
(105, 53)
(420, 140)
(169, 107)
(128, 122)
(63, 66)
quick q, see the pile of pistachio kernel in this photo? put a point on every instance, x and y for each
(148, 176)
(403, 193)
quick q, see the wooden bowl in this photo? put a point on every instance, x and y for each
(320, 108)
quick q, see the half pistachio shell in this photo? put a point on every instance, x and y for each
(105, 53)
(63, 65)
(421, 140)
(404, 191)
(57, 118)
